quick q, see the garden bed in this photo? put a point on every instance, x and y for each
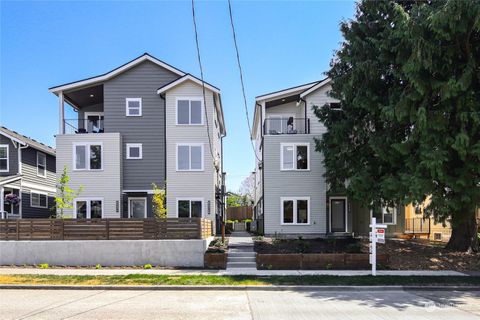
(281, 246)
(216, 255)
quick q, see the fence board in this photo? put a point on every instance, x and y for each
(105, 229)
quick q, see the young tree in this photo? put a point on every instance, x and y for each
(407, 78)
(159, 201)
(65, 195)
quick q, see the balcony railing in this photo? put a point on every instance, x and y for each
(417, 226)
(275, 126)
(83, 126)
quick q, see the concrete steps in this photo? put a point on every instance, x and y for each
(241, 256)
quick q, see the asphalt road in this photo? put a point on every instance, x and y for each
(213, 305)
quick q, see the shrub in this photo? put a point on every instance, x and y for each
(147, 266)
(98, 266)
(43, 266)
(354, 248)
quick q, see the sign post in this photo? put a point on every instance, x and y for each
(376, 235)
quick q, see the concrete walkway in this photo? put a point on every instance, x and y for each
(111, 272)
(241, 256)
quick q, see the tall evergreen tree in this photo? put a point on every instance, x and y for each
(407, 77)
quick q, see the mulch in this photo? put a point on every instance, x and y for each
(269, 245)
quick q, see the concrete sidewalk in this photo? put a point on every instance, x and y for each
(109, 272)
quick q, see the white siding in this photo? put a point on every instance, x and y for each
(104, 184)
(191, 184)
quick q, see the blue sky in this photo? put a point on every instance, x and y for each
(282, 44)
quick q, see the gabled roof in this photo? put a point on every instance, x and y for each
(186, 77)
(9, 179)
(24, 140)
(291, 90)
(315, 87)
(116, 71)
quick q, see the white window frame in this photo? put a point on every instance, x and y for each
(330, 213)
(135, 145)
(190, 99)
(295, 145)
(45, 156)
(395, 213)
(190, 153)
(39, 193)
(8, 157)
(87, 114)
(87, 159)
(202, 200)
(130, 207)
(127, 109)
(89, 204)
(294, 199)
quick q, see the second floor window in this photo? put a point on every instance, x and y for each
(189, 157)
(294, 156)
(3, 158)
(189, 111)
(41, 164)
(133, 107)
(88, 157)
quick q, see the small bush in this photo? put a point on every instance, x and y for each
(247, 220)
(258, 238)
(98, 266)
(328, 266)
(354, 248)
(43, 266)
(147, 266)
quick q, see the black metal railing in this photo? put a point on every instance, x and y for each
(417, 225)
(83, 126)
(274, 126)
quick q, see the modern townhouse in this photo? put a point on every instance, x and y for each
(144, 122)
(291, 195)
(27, 177)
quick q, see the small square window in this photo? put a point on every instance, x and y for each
(134, 151)
(134, 107)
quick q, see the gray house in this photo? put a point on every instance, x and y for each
(291, 194)
(27, 177)
(142, 123)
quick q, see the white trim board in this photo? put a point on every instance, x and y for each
(315, 87)
(330, 213)
(295, 204)
(34, 186)
(114, 72)
(186, 77)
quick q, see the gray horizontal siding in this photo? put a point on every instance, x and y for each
(29, 212)
(279, 184)
(141, 81)
(29, 168)
(12, 157)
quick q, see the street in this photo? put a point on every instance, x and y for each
(265, 305)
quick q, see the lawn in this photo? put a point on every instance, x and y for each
(150, 280)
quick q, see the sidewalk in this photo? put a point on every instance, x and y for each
(111, 272)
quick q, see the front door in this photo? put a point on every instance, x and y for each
(338, 215)
(137, 208)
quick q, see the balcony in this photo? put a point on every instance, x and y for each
(286, 125)
(81, 126)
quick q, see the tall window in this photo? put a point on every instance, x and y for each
(41, 164)
(189, 111)
(88, 156)
(189, 157)
(38, 200)
(295, 210)
(88, 208)
(133, 107)
(3, 157)
(190, 208)
(294, 156)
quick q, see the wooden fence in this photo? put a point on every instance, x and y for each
(105, 229)
(239, 213)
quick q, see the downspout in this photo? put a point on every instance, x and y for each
(263, 166)
(165, 145)
(20, 148)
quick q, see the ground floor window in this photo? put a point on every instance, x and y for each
(38, 200)
(386, 215)
(190, 208)
(88, 208)
(295, 210)
(137, 208)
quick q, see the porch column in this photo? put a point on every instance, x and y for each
(61, 113)
(1, 202)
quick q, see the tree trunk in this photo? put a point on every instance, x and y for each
(464, 235)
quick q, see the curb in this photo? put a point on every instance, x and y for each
(239, 288)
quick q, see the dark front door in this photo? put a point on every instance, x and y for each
(337, 215)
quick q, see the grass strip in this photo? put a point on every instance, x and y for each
(147, 280)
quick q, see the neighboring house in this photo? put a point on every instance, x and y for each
(27, 169)
(142, 123)
(291, 194)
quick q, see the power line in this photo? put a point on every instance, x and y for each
(203, 82)
(241, 79)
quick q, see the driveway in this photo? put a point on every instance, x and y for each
(275, 305)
